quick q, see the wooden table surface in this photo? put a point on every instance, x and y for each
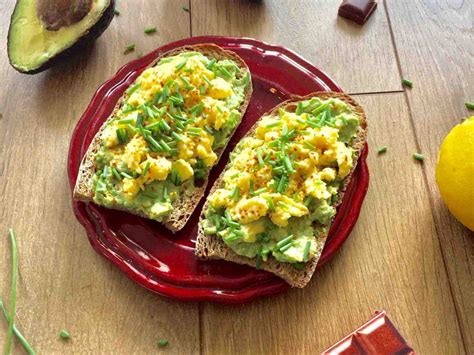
(407, 255)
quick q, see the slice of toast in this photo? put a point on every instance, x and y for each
(213, 247)
(185, 204)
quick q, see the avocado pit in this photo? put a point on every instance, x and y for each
(55, 14)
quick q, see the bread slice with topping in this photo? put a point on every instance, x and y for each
(153, 154)
(274, 203)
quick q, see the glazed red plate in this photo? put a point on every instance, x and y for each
(164, 262)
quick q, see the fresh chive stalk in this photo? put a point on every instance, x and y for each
(284, 241)
(9, 339)
(306, 251)
(146, 168)
(418, 156)
(407, 82)
(17, 333)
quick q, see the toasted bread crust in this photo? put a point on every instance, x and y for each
(184, 206)
(213, 247)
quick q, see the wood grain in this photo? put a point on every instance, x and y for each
(392, 261)
(359, 58)
(63, 283)
(435, 42)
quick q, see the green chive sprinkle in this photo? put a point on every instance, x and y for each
(132, 89)
(470, 105)
(418, 156)
(125, 175)
(284, 241)
(162, 342)
(116, 12)
(9, 339)
(271, 206)
(145, 169)
(309, 145)
(273, 124)
(382, 149)
(258, 262)
(122, 135)
(235, 193)
(129, 48)
(185, 9)
(64, 334)
(116, 174)
(308, 200)
(125, 121)
(150, 30)
(17, 333)
(285, 247)
(259, 157)
(180, 65)
(165, 125)
(299, 108)
(288, 165)
(407, 82)
(210, 64)
(306, 251)
(176, 136)
(298, 266)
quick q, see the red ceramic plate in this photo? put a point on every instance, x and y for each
(165, 263)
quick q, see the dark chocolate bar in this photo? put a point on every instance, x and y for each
(357, 10)
(377, 336)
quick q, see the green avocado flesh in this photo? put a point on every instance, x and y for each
(166, 135)
(31, 46)
(278, 194)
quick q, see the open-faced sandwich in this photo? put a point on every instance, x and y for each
(274, 204)
(153, 154)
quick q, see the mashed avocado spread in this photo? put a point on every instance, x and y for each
(163, 138)
(278, 193)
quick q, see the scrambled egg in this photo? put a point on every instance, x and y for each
(165, 128)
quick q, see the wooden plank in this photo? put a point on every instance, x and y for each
(392, 261)
(435, 42)
(63, 283)
(359, 58)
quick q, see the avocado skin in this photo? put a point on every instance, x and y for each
(84, 40)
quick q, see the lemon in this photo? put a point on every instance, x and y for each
(455, 172)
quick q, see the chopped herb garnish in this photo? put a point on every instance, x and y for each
(284, 241)
(298, 266)
(133, 88)
(407, 82)
(259, 157)
(235, 193)
(418, 156)
(285, 247)
(180, 65)
(125, 121)
(129, 48)
(273, 124)
(197, 109)
(17, 333)
(149, 30)
(186, 83)
(306, 251)
(122, 135)
(126, 175)
(207, 80)
(116, 12)
(185, 9)
(116, 174)
(258, 261)
(382, 149)
(145, 169)
(308, 200)
(176, 136)
(470, 105)
(64, 334)
(299, 108)
(210, 64)
(309, 145)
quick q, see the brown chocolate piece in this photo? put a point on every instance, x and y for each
(357, 10)
(377, 336)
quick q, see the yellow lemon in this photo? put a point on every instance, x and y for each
(455, 172)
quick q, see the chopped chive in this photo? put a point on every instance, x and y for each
(165, 146)
(235, 193)
(9, 339)
(418, 156)
(407, 82)
(274, 124)
(149, 30)
(219, 108)
(285, 247)
(251, 189)
(64, 334)
(259, 157)
(197, 109)
(281, 185)
(260, 191)
(208, 130)
(125, 121)
(129, 48)
(145, 169)
(116, 174)
(150, 195)
(155, 145)
(306, 251)
(153, 125)
(133, 88)
(126, 175)
(186, 83)
(122, 135)
(139, 122)
(470, 105)
(288, 165)
(225, 71)
(180, 66)
(382, 149)
(207, 80)
(176, 136)
(320, 109)
(165, 125)
(105, 173)
(116, 12)
(309, 145)
(299, 108)
(202, 90)
(271, 206)
(298, 266)
(284, 241)
(210, 64)
(185, 9)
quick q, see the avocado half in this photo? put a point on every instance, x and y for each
(43, 33)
